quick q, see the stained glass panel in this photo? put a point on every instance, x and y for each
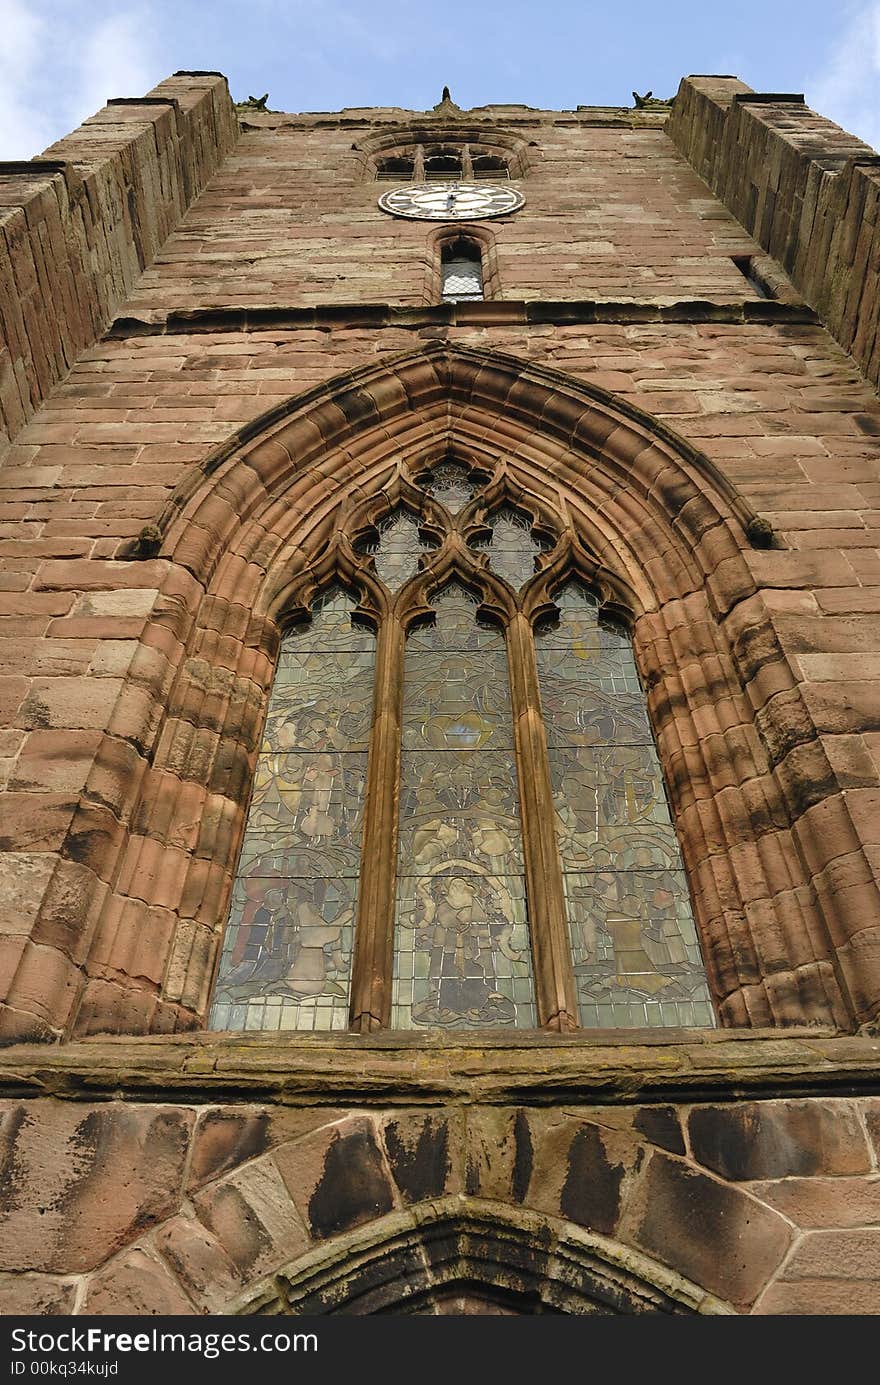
(462, 956)
(512, 548)
(635, 951)
(398, 549)
(451, 485)
(286, 961)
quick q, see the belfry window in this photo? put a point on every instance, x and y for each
(454, 159)
(458, 816)
(461, 271)
(395, 169)
(443, 164)
(490, 166)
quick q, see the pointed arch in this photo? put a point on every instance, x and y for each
(502, 1258)
(660, 532)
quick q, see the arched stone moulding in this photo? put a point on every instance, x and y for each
(404, 138)
(523, 1261)
(136, 946)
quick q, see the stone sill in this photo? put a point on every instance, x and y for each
(434, 1068)
(486, 313)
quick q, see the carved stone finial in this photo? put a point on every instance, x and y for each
(446, 104)
(650, 102)
(254, 103)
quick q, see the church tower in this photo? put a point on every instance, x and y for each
(439, 713)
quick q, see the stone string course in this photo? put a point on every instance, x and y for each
(668, 403)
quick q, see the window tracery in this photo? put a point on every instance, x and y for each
(458, 817)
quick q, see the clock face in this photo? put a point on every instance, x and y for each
(452, 201)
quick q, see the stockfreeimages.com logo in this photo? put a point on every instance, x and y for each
(95, 1340)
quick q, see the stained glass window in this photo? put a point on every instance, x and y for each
(512, 548)
(462, 948)
(286, 961)
(451, 485)
(478, 876)
(397, 552)
(634, 945)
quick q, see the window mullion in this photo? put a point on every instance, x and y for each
(374, 945)
(554, 982)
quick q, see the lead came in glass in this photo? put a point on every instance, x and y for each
(397, 552)
(462, 955)
(451, 485)
(286, 961)
(512, 548)
(634, 944)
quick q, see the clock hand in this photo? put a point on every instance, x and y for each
(450, 200)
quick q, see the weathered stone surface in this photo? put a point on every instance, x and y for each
(824, 1202)
(81, 1181)
(337, 1177)
(850, 1254)
(661, 1126)
(579, 1170)
(251, 1215)
(26, 1295)
(872, 1124)
(199, 1262)
(498, 1153)
(424, 1150)
(820, 1298)
(225, 1138)
(775, 1140)
(712, 1233)
(136, 1284)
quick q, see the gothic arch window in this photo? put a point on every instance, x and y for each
(458, 816)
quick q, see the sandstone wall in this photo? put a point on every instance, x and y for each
(82, 222)
(613, 212)
(179, 1196)
(805, 189)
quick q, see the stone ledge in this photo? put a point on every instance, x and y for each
(430, 1069)
(485, 314)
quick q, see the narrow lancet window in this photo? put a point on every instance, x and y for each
(286, 961)
(461, 272)
(634, 945)
(462, 955)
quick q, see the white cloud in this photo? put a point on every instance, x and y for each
(59, 63)
(847, 89)
(23, 125)
(114, 61)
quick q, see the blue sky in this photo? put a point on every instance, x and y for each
(61, 59)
